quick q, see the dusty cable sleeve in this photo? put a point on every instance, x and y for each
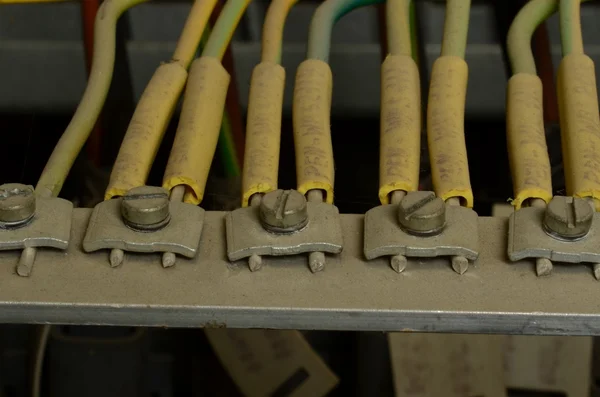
(272, 38)
(526, 138)
(400, 135)
(397, 14)
(83, 121)
(580, 126)
(456, 27)
(445, 129)
(146, 129)
(263, 131)
(312, 134)
(198, 130)
(570, 27)
(192, 31)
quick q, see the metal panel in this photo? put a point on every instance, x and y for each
(350, 294)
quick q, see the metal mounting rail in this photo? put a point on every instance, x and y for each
(350, 294)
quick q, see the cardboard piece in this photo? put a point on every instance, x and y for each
(271, 362)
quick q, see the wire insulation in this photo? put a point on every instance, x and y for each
(570, 27)
(198, 130)
(323, 20)
(399, 27)
(312, 129)
(272, 38)
(580, 126)
(456, 28)
(263, 132)
(225, 28)
(192, 31)
(400, 145)
(445, 129)
(526, 138)
(85, 117)
(146, 129)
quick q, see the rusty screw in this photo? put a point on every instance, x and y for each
(146, 208)
(17, 204)
(422, 213)
(283, 211)
(568, 218)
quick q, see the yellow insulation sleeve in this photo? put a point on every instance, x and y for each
(263, 130)
(446, 131)
(198, 130)
(580, 126)
(312, 134)
(400, 126)
(527, 150)
(146, 129)
(192, 31)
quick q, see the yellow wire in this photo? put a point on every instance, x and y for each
(78, 130)
(570, 27)
(456, 28)
(192, 31)
(225, 28)
(273, 30)
(32, 1)
(398, 27)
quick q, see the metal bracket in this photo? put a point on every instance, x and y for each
(107, 230)
(527, 239)
(49, 227)
(246, 236)
(384, 237)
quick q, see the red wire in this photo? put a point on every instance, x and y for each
(89, 8)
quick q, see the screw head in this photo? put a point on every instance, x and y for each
(146, 208)
(283, 211)
(422, 213)
(568, 217)
(17, 204)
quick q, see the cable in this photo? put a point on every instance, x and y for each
(578, 104)
(446, 109)
(400, 132)
(399, 27)
(202, 112)
(570, 27)
(321, 25)
(32, 1)
(70, 144)
(265, 105)
(272, 37)
(224, 28)
(156, 106)
(456, 27)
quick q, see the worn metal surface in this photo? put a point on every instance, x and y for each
(384, 237)
(528, 239)
(107, 230)
(246, 235)
(49, 227)
(350, 294)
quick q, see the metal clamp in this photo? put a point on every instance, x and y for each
(28, 221)
(567, 230)
(284, 224)
(421, 226)
(145, 221)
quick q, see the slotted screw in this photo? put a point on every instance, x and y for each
(422, 213)
(17, 204)
(146, 208)
(283, 211)
(568, 218)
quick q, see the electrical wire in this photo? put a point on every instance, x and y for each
(456, 28)
(272, 38)
(156, 106)
(32, 1)
(224, 28)
(85, 117)
(399, 27)
(570, 27)
(321, 25)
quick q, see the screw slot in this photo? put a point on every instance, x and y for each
(146, 208)
(283, 211)
(17, 205)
